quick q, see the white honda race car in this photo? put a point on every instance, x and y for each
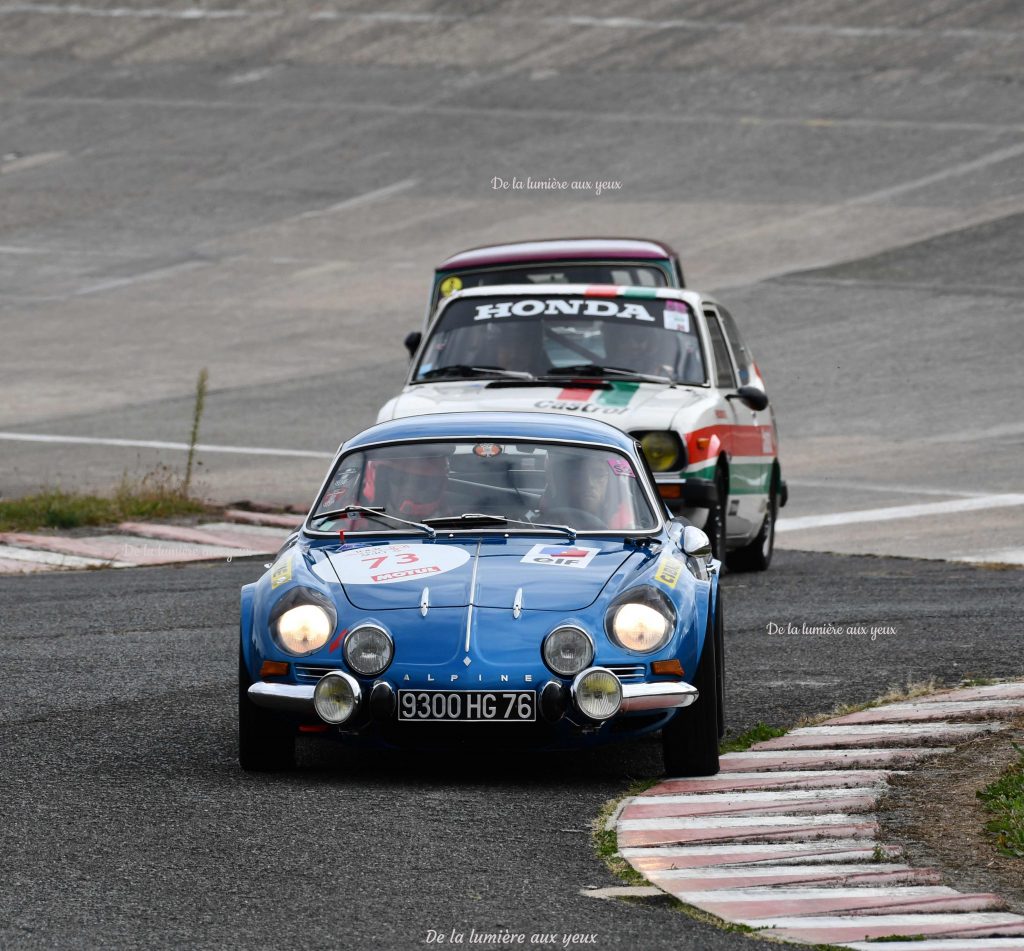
(666, 365)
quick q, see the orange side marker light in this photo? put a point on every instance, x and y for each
(663, 667)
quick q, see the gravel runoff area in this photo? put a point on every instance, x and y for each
(786, 838)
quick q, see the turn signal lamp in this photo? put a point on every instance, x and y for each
(667, 668)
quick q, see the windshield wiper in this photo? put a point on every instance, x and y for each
(461, 370)
(595, 369)
(372, 511)
(486, 518)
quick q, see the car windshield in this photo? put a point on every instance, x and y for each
(613, 272)
(518, 486)
(565, 335)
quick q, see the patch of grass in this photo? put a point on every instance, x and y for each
(1005, 800)
(156, 495)
(899, 937)
(894, 694)
(754, 735)
(606, 842)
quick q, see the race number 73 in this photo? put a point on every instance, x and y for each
(404, 558)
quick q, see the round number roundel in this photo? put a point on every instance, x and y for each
(387, 564)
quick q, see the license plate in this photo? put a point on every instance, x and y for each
(467, 706)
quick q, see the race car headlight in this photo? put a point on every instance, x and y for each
(662, 448)
(567, 651)
(641, 620)
(336, 696)
(597, 693)
(302, 621)
(368, 650)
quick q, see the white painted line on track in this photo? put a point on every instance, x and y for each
(925, 509)
(158, 444)
(135, 13)
(143, 278)
(57, 559)
(880, 196)
(953, 921)
(358, 200)
(755, 798)
(819, 870)
(1005, 556)
(978, 435)
(894, 729)
(577, 20)
(880, 487)
(738, 822)
(943, 944)
(676, 851)
(531, 115)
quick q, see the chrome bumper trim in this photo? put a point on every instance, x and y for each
(293, 698)
(657, 696)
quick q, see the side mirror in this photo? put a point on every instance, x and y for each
(412, 342)
(750, 396)
(696, 543)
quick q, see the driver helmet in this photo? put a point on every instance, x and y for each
(411, 486)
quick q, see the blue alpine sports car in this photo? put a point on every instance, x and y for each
(506, 579)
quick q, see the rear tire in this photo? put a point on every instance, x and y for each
(689, 741)
(265, 744)
(715, 526)
(757, 555)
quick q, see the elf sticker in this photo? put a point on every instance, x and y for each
(281, 573)
(565, 556)
(669, 571)
(386, 564)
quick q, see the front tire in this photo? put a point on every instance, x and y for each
(689, 741)
(265, 744)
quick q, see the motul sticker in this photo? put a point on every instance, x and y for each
(565, 556)
(386, 564)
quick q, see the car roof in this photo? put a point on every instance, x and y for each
(494, 425)
(691, 297)
(558, 249)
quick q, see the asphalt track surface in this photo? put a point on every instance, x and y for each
(263, 190)
(127, 822)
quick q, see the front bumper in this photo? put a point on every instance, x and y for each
(687, 493)
(661, 695)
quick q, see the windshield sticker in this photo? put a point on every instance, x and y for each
(622, 468)
(565, 556)
(281, 573)
(450, 285)
(386, 564)
(669, 571)
(677, 317)
(556, 306)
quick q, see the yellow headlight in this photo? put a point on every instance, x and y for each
(304, 628)
(638, 627)
(661, 450)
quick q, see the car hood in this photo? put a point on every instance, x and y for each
(623, 404)
(552, 573)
